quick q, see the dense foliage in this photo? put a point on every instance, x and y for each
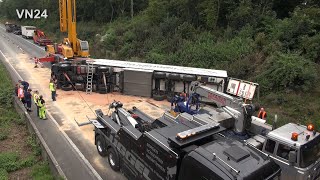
(274, 43)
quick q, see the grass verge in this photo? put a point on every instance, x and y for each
(20, 154)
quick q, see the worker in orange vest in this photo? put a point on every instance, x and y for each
(262, 114)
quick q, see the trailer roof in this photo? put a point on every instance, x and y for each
(161, 67)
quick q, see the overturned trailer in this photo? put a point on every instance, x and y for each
(133, 78)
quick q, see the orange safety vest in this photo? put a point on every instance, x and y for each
(262, 115)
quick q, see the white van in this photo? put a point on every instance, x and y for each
(27, 31)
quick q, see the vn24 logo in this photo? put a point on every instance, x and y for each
(31, 13)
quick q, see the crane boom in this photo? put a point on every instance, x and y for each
(233, 106)
(221, 99)
(72, 24)
(63, 15)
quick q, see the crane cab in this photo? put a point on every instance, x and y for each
(83, 48)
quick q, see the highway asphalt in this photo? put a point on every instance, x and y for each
(77, 157)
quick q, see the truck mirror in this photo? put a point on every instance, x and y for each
(292, 157)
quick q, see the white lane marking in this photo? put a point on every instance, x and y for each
(26, 40)
(95, 173)
(20, 48)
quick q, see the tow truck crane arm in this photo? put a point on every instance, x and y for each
(235, 107)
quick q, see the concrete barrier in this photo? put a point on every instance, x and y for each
(45, 151)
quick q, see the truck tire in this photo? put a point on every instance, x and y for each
(169, 98)
(113, 159)
(64, 67)
(101, 146)
(105, 69)
(158, 97)
(174, 76)
(159, 75)
(66, 87)
(189, 77)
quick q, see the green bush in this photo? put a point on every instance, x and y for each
(6, 88)
(8, 161)
(3, 174)
(42, 171)
(290, 71)
(4, 132)
(310, 47)
(207, 53)
(31, 141)
(28, 162)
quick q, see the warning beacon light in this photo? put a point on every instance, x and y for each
(294, 136)
(310, 127)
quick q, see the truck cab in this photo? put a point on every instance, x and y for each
(40, 38)
(296, 149)
(9, 27)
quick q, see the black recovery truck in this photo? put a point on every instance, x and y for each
(175, 149)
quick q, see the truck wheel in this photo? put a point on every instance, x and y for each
(159, 75)
(66, 87)
(174, 76)
(64, 67)
(101, 146)
(169, 98)
(113, 159)
(188, 77)
(158, 97)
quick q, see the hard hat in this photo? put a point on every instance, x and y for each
(262, 109)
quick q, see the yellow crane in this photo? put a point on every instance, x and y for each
(71, 46)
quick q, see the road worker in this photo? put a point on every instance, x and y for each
(52, 87)
(25, 85)
(28, 97)
(183, 96)
(35, 100)
(42, 108)
(36, 62)
(262, 114)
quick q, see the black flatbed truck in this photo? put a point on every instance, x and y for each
(166, 149)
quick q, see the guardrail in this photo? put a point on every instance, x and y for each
(45, 151)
